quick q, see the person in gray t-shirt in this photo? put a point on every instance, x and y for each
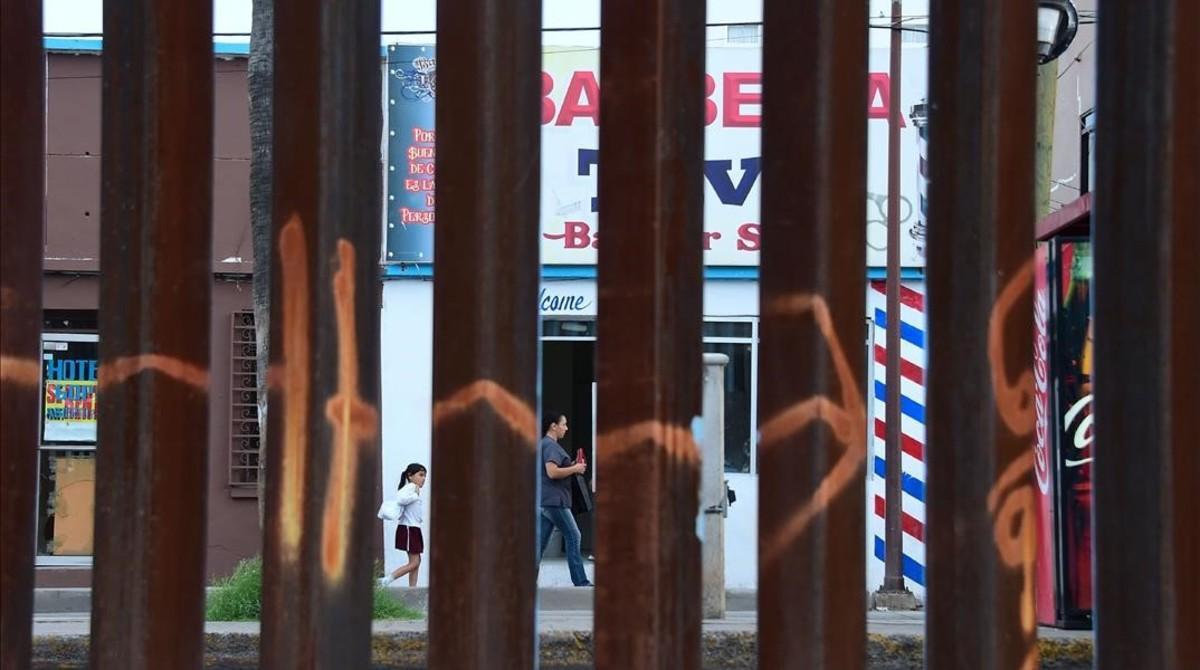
(555, 500)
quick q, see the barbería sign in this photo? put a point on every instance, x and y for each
(571, 86)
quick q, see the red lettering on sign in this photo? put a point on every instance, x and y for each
(735, 97)
(749, 237)
(708, 238)
(710, 107)
(879, 96)
(583, 83)
(582, 99)
(576, 235)
(547, 103)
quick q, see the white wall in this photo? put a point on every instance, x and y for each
(406, 366)
(741, 533)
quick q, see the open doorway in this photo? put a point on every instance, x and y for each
(568, 385)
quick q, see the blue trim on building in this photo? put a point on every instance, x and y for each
(718, 272)
(96, 44)
(406, 270)
(72, 44)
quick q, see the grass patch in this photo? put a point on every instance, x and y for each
(238, 597)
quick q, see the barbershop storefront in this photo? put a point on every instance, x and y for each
(568, 332)
(567, 301)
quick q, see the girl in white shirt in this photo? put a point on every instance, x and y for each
(408, 533)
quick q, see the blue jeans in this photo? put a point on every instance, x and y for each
(561, 518)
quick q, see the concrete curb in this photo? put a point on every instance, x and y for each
(79, 600)
(560, 650)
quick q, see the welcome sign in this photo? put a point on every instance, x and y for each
(570, 112)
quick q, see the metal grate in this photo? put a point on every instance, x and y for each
(243, 405)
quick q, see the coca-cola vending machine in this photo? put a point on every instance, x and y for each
(1063, 447)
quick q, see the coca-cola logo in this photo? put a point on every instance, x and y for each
(1082, 436)
(1041, 389)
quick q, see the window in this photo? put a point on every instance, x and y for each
(738, 390)
(912, 33)
(737, 329)
(67, 450)
(744, 33)
(736, 339)
(580, 328)
(243, 406)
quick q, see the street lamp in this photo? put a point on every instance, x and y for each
(1057, 23)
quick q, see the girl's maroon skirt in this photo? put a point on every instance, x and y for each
(409, 539)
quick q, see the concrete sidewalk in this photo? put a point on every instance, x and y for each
(895, 641)
(552, 598)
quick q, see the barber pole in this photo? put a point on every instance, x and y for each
(920, 119)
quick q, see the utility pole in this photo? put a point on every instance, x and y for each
(893, 594)
(1047, 92)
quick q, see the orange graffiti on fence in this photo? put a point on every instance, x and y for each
(293, 464)
(1014, 402)
(846, 420)
(678, 441)
(1011, 500)
(1012, 513)
(511, 409)
(353, 420)
(117, 370)
(20, 370)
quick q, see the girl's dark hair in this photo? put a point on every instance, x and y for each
(412, 469)
(549, 418)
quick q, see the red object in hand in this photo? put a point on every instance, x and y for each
(579, 456)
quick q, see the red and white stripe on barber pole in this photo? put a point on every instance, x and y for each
(912, 426)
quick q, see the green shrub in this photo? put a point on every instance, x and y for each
(238, 597)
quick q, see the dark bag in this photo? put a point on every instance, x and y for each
(581, 496)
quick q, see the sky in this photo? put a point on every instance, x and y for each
(233, 16)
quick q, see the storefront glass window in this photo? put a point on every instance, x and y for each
(738, 389)
(67, 453)
(66, 495)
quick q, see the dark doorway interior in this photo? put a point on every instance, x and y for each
(568, 373)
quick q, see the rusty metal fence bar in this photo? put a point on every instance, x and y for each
(155, 303)
(22, 188)
(324, 377)
(812, 421)
(980, 493)
(289, 583)
(483, 580)
(648, 348)
(1147, 307)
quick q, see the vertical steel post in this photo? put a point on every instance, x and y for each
(289, 582)
(812, 420)
(22, 194)
(980, 391)
(485, 358)
(893, 579)
(1147, 307)
(324, 423)
(155, 306)
(648, 348)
